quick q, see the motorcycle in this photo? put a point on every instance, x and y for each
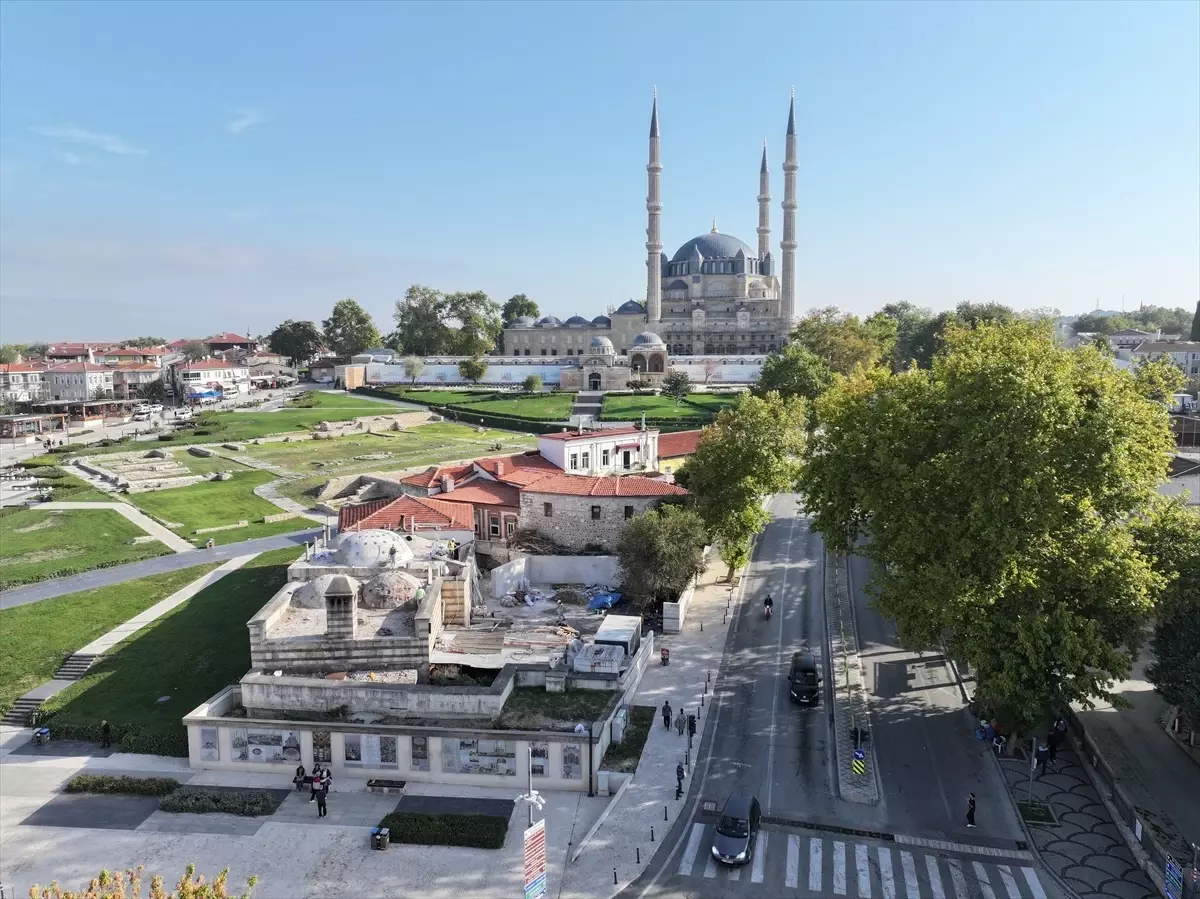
(767, 612)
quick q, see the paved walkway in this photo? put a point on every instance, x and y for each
(104, 577)
(143, 521)
(1084, 850)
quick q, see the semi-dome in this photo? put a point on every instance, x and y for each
(549, 320)
(647, 339)
(631, 307)
(371, 549)
(577, 320)
(311, 594)
(713, 245)
(523, 321)
(600, 344)
(602, 320)
(390, 590)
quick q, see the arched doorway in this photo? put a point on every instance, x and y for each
(594, 381)
(637, 363)
(656, 363)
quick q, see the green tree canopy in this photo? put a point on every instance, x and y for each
(472, 370)
(413, 366)
(794, 371)
(11, 352)
(298, 340)
(144, 342)
(677, 385)
(659, 552)
(1093, 323)
(911, 324)
(1159, 379)
(475, 323)
(995, 492)
(430, 323)
(532, 384)
(349, 329)
(516, 306)
(751, 450)
(842, 341)
(194, 350)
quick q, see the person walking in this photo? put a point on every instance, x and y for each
(680, 722)
(970, 810)
(1051, 748)
(321, 792)
(316, 782)
(678, 780)
(1040, 757)
(105, 735)
(666, 713)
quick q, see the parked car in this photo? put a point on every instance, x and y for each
(737, 830)
(141, 416)
(156, 407)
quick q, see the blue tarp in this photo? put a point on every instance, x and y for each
(201, 394)
(602, 601)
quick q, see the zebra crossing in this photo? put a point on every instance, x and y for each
(827, 866)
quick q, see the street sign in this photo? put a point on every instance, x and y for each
(859, 763)
(535, 861)
(1173, 879)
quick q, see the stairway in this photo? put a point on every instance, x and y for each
(588, 402)
(75, 667)
(18, 715)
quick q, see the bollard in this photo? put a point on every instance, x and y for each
(639, 854)
(701, 627)
(702, 701)
(687, 758)
(664, 813)
(614, 876)
(651, 834)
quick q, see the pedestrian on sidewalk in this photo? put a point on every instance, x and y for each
(680, 722)
(316, 782)
(321, 793)
(678, 781)
(1051, 748)
(105, 735)
(1040, 757)
(970, 810)
(666, 713)
(1060, 731)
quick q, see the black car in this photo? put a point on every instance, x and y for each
(737, 830)
(804, 679)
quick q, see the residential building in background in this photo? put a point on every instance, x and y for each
(131, 378)
(209, 376)
(229, 341)
(78, 381)
(1184, 353)
(22, 382)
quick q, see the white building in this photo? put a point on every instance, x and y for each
(1184, 353)
(129, 379)
(78, 381)
(212, 374)
(612, 451)
(22, 382)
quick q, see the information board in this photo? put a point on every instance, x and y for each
(535, 861)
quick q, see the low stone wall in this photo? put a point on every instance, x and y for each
(279, 516)
(675, 613)
(223, 527)
(554, 570)
(319, 653)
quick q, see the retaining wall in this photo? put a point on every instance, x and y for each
(555, 570)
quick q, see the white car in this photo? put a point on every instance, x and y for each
(142, 416)
(141, 407)
(183, 413)
(156, 407)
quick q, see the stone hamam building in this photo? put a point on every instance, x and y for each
(716, 296)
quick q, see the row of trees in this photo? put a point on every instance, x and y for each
(1149, 318)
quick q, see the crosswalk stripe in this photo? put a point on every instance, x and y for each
(760, 855)
(814, 864)
(839, 867)
(1010, 883)
(1035, 885)
(935, 877)
(911, 889)
(864, 873)
(886, 883)
(710, 868)
(735, 873)
(693, 846)
(958, 879)
(984, 884)
(793, 861)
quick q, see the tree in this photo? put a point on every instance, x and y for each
(842, 341)
(349, 329)
(995, 493)
(1158, 379)
(911, 329)
(413, 366)
(794, 371)
(677, 384)
(194, 350)
(144, 342)
(1091, 323)
(659, 552)
(298, 340)
(1195, 335)
(102, 393)
(517, 306)
(420, 330)
(37, 349)
(155, 391)
(751, 450)
(478, 323)
(11, 352)
(711, 367)
(532, 384)
(1150, 318)
(472, 370)
(1103, 346)
(129, 886)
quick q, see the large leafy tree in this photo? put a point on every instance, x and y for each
(751, 450)
(1092, 323)
(516, 306)
(677, 385)
(10, 352)
(475, 321)
(299, 341)
(794, 371)
(349, 329)
(194, 350)
(994, 492)
(659, 552)
(420, 330)
(1159, 379)
(429, 322)
(413, 366)
(911, 325)
(472, 370)
(844, 342)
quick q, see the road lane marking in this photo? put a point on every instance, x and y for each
(710, 867)
(693, 846)
(735, 873)
(760, 854)
(793, 861)
(1010, 882)
(815, 870)
(864, 872)
(839, 867)
(935, 877)
(910, 875)
(958, 878)
(984, 884)
(778, 665)
(963, 848)
(1035, 885)
(886, 882)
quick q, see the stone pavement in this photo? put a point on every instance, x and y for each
(143, 521)
(695, 653)
(1084, 850)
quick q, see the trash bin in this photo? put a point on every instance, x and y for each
(379, 837)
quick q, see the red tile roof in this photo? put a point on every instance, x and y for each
(21, 367)
(134, 351)
(135, 366)
(77, 367)
(432, 477)
(600, 432)
(399, 514)
(73, 349)
(576, 485)
(485, 493)
(680, 443)
(518, 470)
(228, 337)
(210, 365)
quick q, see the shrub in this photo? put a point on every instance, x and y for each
(130, 786)
(203, 801)
(128, 885)
(130, 738)
(166, 437)
(474, 831)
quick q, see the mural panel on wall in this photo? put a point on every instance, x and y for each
(419, 754)
(370, 751)
(273, 746)
(210, 748)
(572, 762)
(460, 756)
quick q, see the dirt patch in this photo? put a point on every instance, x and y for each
(43, 555)
(47, 522)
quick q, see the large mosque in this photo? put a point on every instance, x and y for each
(717, 296)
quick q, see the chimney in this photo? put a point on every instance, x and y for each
(341, 609)
(499, 469)
(447, 484)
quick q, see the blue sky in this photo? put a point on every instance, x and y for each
(184, 168)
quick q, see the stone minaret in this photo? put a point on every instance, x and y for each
(653, 222)
(764, 208)
(788, 244)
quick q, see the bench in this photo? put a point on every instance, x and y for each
(376, 785)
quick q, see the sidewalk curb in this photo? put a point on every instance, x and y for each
(600, 821)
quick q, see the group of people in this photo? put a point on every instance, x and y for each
(682, 722)
(319, 782)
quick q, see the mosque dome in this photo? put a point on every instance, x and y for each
(371, 549)
(311, 594)
(523, 321)
(577, 320)
(550, 321)
(602, 320)
(631, 307)
(601, 345)
(647, 339)
(713, 245)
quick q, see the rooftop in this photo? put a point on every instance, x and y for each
(211, 365)
(679, 443)
(593, 434)
(419, 512)
(629, 485)
(228, 337)
(1164, 346)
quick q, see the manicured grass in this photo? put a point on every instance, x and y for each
(713, 402)
(540, 406)
(65, 486)
(624, 756)
(632, 407)
(206, 464)
(36, 544)
(255, 530)
(187, 655)
(211, 503)
(35, 639)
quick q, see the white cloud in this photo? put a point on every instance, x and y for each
(72, 158)
(109, 143)
(245, 118)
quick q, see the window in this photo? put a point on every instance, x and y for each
(548, 509)
(595, 513)
(574, 461)
(494, 526)
(543, 351)
(604, 458)
(510, 527)
(587, 458)
(628, 512)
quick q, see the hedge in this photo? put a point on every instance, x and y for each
(129, 786)
(129, 737)
(204, 801)
(474, 831)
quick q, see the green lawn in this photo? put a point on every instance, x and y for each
(206, 464)
(36, 545)
(214, 503)
(66, 487)
(35, 639)
(536, 406)
(632, 407)
(187, 655)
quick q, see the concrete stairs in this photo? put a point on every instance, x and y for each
(588, 402)
(75, 667)
(18, 715)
